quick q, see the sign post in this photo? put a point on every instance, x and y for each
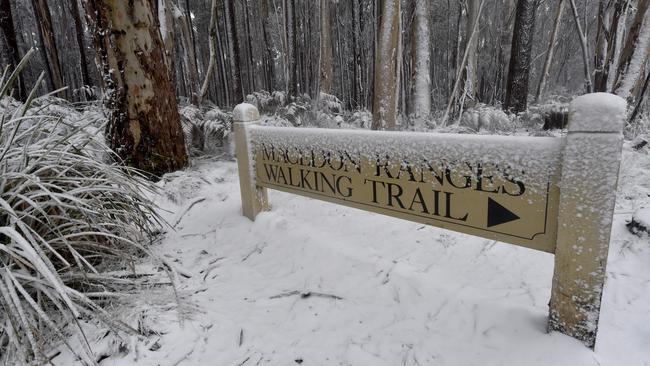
(588, 183)
(550, 194)
(254, 198)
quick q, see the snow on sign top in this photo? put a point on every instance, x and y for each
(598, 112)
(245, 112)
(502, 188)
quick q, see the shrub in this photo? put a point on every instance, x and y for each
(71, 226)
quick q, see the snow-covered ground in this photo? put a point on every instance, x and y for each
(314, 283)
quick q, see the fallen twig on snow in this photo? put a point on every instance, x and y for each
(305, 294)
(189, 207)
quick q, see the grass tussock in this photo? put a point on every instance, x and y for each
(71, 224)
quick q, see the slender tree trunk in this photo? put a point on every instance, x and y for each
(617, 50)
(421, 56)
(189, 57)
(213, 53)
(9, 36)
(144, 126)
(606, 42)
(222, 66)
(470, 74)
(166, 20)
(326, 72)
(600, 54)
(252, 72)
(270, 46)
(384, 107)
(235, 56)
(46, 35)
(192, 38)
(583, 47)
(85, 76)
(292, 44)
(505, 43)
(461, 67)
(550, 51)
(635, 53)
(637, 108)
(520, 57)
(357, 73)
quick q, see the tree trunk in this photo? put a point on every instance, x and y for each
(583, 46)
(635, 53)
(166, 19)
(269, 43)
(233, 50)
(213, 53)
(505, 42)
(600, 53)
(462, 66)
(520, 56)
(85, 76)
(357, 73)
(470, 74)
(189, 56)
(12, 53)
(252, 72)
(144, 126)
(46, 35)
(325, 48)
(619, 35)
(550, 51)
(606, 43)
(292, 45)
(384, 107)
(637, 108)
(421, 60)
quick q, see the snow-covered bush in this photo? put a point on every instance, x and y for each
(486, 118)
(296, 111)
(640, 127)
(205, 132)
(330, 104)
(361, 118)
(267, 102)
(71, 227)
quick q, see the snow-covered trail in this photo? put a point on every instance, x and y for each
(313, 283)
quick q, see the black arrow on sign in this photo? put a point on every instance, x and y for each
(498, 214)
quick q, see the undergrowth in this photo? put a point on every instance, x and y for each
(72, 225)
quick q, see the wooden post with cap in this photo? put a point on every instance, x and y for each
(588, 181)
(254, 198)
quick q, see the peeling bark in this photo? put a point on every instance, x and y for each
(144, 125)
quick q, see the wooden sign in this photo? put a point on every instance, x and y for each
(493, 191)
(551, 194)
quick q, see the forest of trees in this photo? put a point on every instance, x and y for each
(100, 99)
(409, 58)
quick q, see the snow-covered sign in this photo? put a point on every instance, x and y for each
(551, 194)
(488, 186)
